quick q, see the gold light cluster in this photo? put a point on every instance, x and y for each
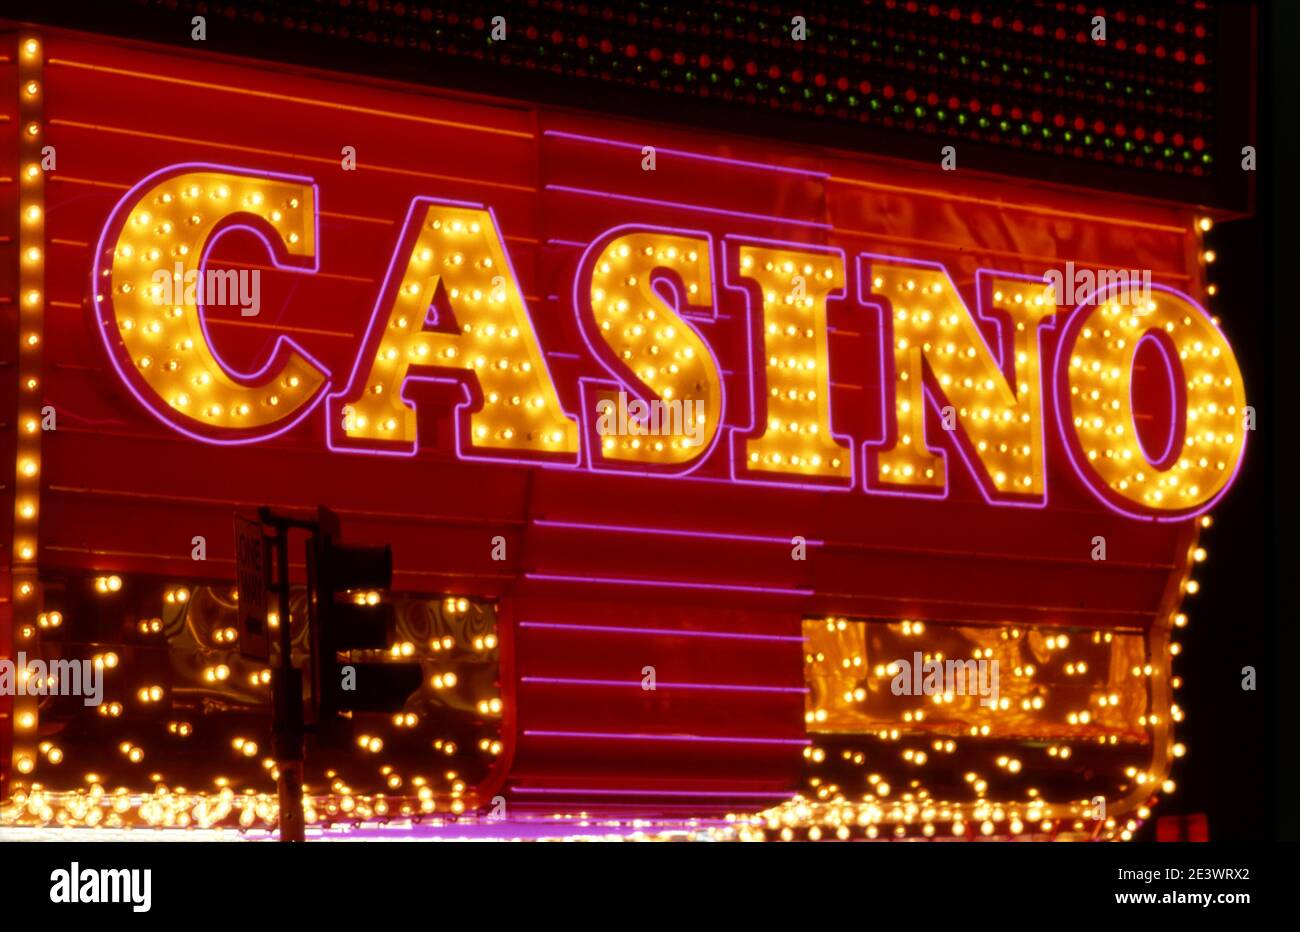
(1002, 420)
(1100, 374)
(459, 250)
(796, 437)
(160, 326)
(663, 351)
(942, 764)
(25, 595)
(137, 789)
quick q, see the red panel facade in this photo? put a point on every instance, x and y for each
(605, 573)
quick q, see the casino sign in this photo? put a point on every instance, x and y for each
(691, 475)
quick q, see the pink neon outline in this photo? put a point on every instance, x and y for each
(461, 431)
(985, 312)
(718, 794)
(691, 314)
(1177, 395)
(666, 632)
(1065, 424)
(753, 317)
(635, 736)
(680, 153)
(665, 584)
(677, 205)
(670, 532)
(716, 687)
(284, 345)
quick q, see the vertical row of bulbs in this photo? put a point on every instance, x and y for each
(31, 313)
(1198, 555)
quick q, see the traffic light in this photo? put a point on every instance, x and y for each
(350, 628)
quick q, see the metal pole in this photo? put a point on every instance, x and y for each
(286, 686)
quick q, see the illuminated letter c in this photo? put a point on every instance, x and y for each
(150, 259)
